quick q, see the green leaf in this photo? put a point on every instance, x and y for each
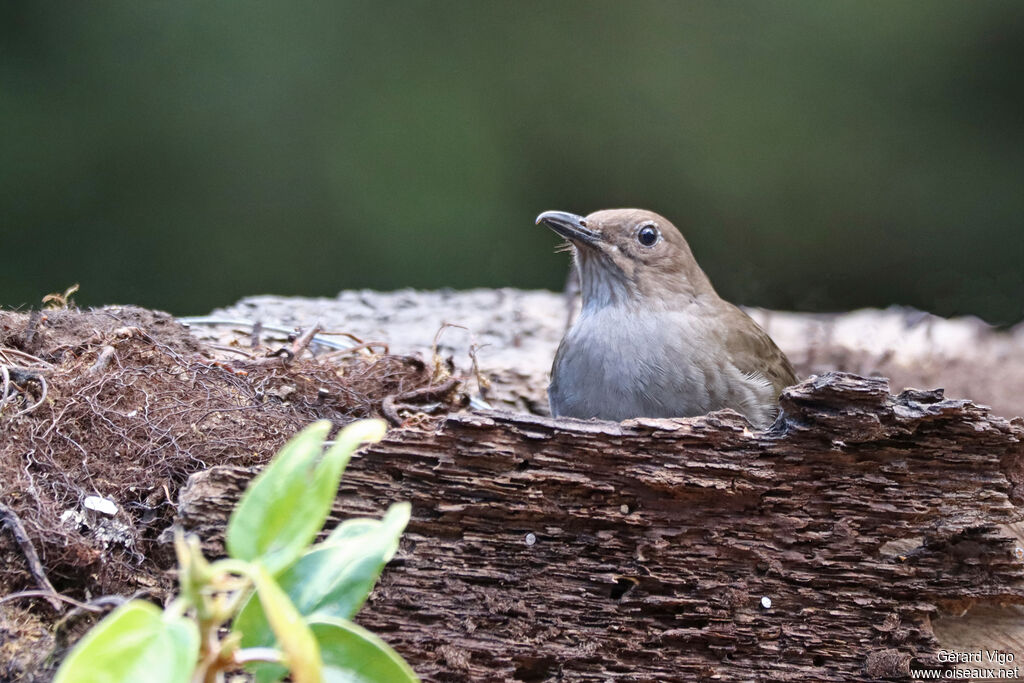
(288, 502)
(358, 433)
(135, 642)
(334, 578)
(357, 526)
(351, 654)
(273, 522)
(302, 654)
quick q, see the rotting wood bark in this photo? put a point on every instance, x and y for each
(545, 549)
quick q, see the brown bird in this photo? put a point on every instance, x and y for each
(654, 339)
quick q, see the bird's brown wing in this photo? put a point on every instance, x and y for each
(752, 351)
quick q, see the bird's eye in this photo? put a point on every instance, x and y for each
(647, 235)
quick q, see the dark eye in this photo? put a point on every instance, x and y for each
(647, 235)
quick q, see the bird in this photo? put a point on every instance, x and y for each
(653, 337)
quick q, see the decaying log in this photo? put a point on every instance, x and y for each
(691, 549)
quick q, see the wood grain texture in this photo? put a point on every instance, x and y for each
(548, 549)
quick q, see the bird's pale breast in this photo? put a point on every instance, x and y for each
(616, 363)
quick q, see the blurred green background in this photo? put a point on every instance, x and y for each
(817, 155)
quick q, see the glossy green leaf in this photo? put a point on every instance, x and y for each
(356, 434)
(135, 642)
(351, 654)
(302, 654)
(334, 578)
(287, 503)
(356, 526)
(276, 517)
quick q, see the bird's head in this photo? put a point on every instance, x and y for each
(626, 254)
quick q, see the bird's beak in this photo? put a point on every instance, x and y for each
(570, 226)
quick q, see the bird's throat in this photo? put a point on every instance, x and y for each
(602, 283)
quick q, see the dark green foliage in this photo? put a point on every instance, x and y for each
(817, 155)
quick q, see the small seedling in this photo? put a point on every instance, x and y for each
(289, 601)
(58, 301)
